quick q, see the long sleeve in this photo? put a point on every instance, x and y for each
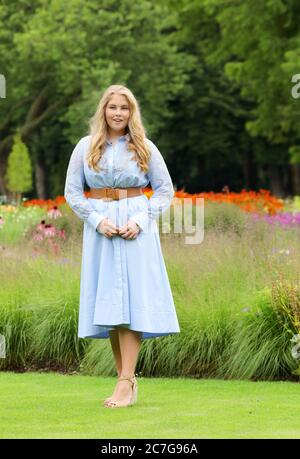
(162, 186)
(74, 189)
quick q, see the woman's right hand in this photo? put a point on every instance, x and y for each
(107, 228)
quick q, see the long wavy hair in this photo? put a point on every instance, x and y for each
(135, 131)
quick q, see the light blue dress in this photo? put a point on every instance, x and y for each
(123, 282)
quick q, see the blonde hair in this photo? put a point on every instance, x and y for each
(136, 141)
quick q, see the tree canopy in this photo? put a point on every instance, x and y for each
(213, 79)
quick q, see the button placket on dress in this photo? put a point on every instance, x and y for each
(121, 292)
(122, 216)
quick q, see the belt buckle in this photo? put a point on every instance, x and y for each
(111, 194)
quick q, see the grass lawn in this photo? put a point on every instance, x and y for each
(53, 405)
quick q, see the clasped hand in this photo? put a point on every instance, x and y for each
(128, 231)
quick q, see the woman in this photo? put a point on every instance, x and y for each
(124, 291)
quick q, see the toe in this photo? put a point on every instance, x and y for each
(110, 404)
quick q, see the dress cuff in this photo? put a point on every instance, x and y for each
(95, 218)
(142, 219)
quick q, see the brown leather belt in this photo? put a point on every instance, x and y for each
(109, 194)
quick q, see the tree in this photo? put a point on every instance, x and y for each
(57, 61)
(206, 134)
(19, 172)
(259, 48)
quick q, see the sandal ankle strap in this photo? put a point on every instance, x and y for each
(122, 378)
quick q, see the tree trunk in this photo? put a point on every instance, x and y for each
(246, 169)
(2, 172)
(275, 180)
(260, 175)
(40, 180)
(295, 177)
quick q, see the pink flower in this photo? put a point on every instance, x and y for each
(38, 237)
(54, 213)
(1, 221)
(49, 230)
(41, 226)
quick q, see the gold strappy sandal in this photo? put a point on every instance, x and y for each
(108, 399)
(111, 404)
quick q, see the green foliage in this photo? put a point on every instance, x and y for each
(19, 171)
(260, 348)
(15, 323)
(258, 47)
(213, 80)
(292, 204)
(53, 343)
(231, 324)
(18, 223)
(224, 216)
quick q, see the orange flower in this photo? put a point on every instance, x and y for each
(249, 201)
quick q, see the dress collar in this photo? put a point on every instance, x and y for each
(122, 138)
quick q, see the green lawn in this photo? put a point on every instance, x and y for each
(51, 405)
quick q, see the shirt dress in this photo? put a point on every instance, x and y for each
(123, 282)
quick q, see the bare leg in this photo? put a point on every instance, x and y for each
(115, 345)
(130, 343)
(114, 341)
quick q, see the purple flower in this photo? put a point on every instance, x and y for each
(284, 219)
(64, 260)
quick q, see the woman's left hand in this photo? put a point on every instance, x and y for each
(130, 230)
